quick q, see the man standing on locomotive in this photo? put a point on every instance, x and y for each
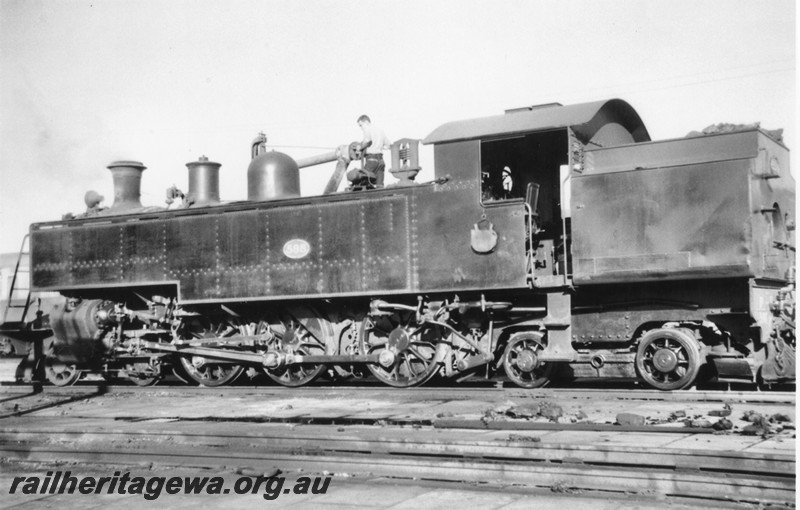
(373, 145)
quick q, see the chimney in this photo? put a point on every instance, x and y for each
(127, 184)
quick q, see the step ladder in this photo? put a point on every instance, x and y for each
(15, 282)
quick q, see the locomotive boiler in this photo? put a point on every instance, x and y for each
(554, 242)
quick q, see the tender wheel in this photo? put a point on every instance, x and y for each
(668, 359)
(521, 360)
(142, 374)
(407, 350)
(61, 373)
(298, 331)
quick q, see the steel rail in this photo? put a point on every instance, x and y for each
(439, 392)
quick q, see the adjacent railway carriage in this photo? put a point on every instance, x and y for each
(555, 241)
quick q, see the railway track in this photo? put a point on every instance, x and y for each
(582, 388)
(477, 435)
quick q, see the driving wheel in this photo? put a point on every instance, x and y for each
(406, 349)
(205, 371)
(142, 374)
(298, 331)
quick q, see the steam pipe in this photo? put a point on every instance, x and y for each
(258, 145)
(342, 157)
(318, 159)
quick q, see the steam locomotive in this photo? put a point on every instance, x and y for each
(554, 242)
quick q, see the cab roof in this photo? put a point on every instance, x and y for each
(586, 119)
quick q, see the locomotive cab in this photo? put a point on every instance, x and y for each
(526, 158)
(529, 169)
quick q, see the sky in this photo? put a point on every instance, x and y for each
(85, 83)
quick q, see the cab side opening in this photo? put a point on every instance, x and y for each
(528, 168)
(509, 165)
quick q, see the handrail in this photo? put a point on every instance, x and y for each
(14, 284)
(565, 236)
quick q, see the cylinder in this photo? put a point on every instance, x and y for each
(271, 176)
(203, 181)
(78, 328)
(127, 177)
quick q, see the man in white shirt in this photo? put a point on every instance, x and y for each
(373, 145)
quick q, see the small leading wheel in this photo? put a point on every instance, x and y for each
(407, 350)
(210, 373)
(61, 373)
(668, 359)
(521, 360)
(298, 331)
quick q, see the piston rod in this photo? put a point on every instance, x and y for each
(260, 359)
